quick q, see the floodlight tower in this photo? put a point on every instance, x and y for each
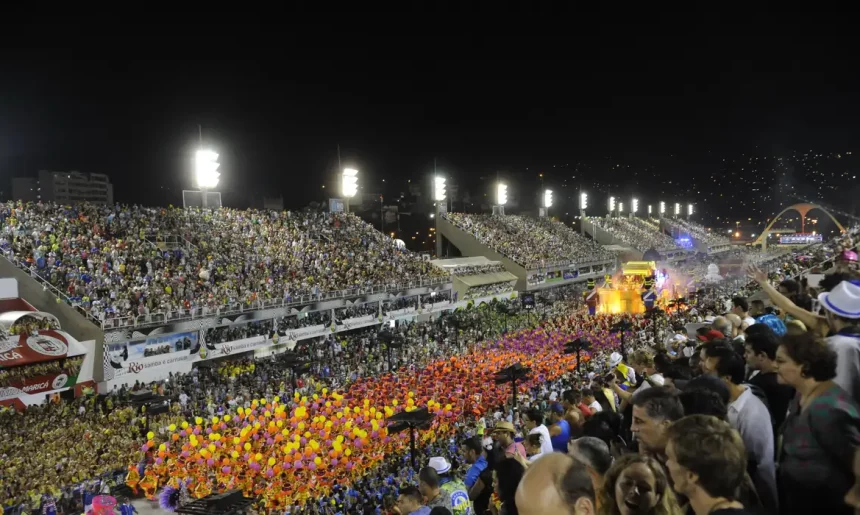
(501, 198)
(583, 204)
(206, 175)
(348, 185)
(547, 203)
(634, 207)
(440, 197)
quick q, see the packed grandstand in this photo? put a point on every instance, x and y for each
(636, 233)
(108, 261)
(306, 430)
(697, 232)
(531, 242)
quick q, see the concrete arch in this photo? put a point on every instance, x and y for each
(803, 209)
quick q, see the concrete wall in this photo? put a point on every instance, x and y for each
(71, 321)
(469, 246)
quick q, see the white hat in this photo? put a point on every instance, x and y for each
(440, 464)
(843, 300)
(614, 359)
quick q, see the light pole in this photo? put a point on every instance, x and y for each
(662, 208)
(649, 210)
(501, 197)
(547, 202)
(583, 203)
(206, 172)
(677, 209)
(689, 211)
(348, 185)
(611, 206)
(634, 207)
(439, 196)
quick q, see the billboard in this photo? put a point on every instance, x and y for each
(800, 239)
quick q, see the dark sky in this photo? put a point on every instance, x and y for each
(275, 106)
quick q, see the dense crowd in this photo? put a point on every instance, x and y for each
(489, 268)
(660, 422)
(485, 290)
(106, 261)
(697, 232)
(636, 233)
(532, 243)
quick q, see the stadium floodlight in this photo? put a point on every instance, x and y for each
(677, 208)
(206, 169)
(621, 207)
(649, 209)
(502, 194)
(439, 189)
(662, 208)
(583, 201)
(689, 209)
(611, 204)
(547, 199)
(634, 206)
(349, 182)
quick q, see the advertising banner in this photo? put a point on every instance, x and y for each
(47, 345)
(39, 384)
(303, 333)
(358, 322)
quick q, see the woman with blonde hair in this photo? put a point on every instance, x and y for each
(637, 485)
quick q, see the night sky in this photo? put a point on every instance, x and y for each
(666, 114)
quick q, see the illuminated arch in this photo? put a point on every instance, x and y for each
(803, 209)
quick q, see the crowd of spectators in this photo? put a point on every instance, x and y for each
(104, 259)
(677, 424)
(636, 233)
(530, 242)
(485, 290)
(697, 232)
(489, 268)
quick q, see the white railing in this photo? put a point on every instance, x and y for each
(150, 319)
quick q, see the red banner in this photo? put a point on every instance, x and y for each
(23, 349)
(37, 384)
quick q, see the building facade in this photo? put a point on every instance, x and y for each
(64, 188)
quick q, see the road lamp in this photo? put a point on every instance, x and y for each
(349, 184)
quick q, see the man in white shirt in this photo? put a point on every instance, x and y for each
(533, 422)
(741, 308)
(842, 308)
(750, 417)
(590, 401)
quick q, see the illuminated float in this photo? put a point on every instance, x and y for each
(637, 288)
